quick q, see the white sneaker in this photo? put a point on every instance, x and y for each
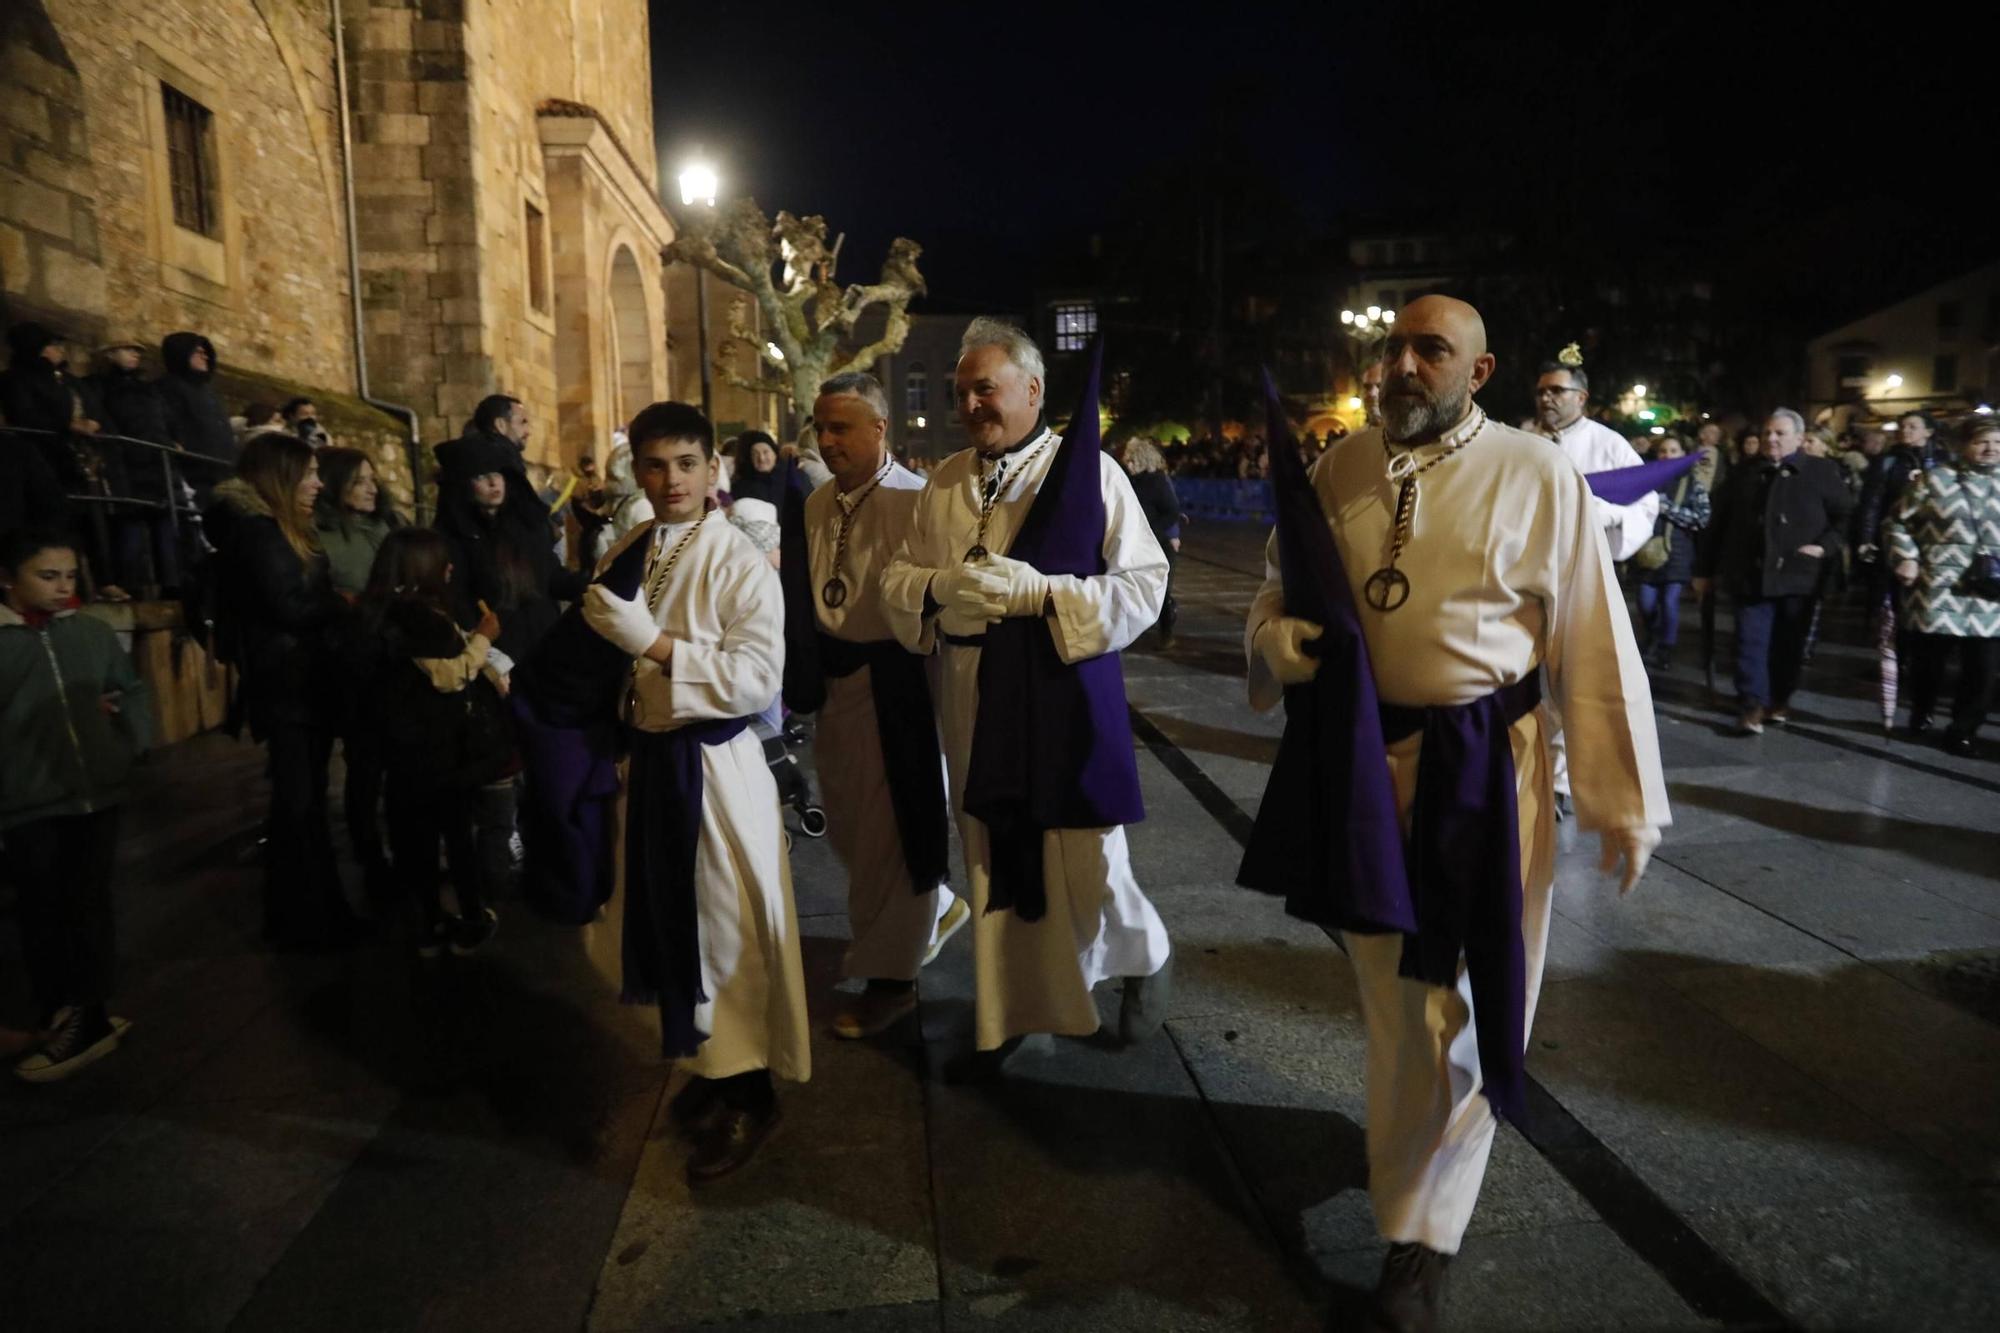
(77, 1043)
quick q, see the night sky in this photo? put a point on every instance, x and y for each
(1833, 159)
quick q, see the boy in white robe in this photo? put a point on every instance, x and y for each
(720, 955)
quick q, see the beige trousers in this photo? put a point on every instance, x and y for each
(1430, 1130)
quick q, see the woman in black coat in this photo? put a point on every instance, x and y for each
(275, 613)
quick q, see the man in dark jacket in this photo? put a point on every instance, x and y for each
(37, 394)
(1776, 527)
(128, 405)
(196, 418)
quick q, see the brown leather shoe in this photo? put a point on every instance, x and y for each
(730, 1142)
(873, 1012)
(1410, 1290)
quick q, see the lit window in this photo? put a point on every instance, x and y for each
(1075, 325)
(537, 240)
(916, 394)
(191, 161)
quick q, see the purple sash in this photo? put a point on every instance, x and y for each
(1629, 485)
(1052, 742)
(662, 947)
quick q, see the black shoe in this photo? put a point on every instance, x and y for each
(990, 1066)
(1410, 1290)
(434, 936)
(1959, 743)
(695, 1107)
(474, 932)
(1920, 726)
(83, 1035)
(730, 1142)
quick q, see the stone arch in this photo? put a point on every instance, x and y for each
(628, 334)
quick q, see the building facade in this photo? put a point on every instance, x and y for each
(1938, 348)
(923, 423)
(171, 164)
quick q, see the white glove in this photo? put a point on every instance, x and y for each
(624, 621)
(1027, 587)
(1633, 846)
(971, 597)
(1279, 642)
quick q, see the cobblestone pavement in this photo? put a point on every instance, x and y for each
(1763, 1086)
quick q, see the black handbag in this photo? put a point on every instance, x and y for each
(1982, 577)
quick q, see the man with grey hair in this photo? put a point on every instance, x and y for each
(876, 742)
(1775, 529)
(1084, 918)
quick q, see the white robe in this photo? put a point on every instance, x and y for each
(1036, 976)
(893, 928)
(1509, 573)
(723, 609)
(1595, 447)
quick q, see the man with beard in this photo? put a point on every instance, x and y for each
(1055, 906)
(1477, 560)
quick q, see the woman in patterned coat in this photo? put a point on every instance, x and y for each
(1944, 540)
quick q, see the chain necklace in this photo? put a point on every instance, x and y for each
(1389, 587)
(989, 499)
(656, 577)
(834, 593)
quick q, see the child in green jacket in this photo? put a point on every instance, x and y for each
(73, 719)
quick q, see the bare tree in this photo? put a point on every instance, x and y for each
(787, 268)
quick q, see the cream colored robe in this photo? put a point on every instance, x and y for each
(892, 927)
(1037, 976)
(1509, 573)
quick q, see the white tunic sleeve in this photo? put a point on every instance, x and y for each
(1105, 612)
(1599, 682)
(1268, 605)
(907, 579)
(739, 667)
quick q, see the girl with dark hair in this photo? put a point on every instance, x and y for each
(352, 517)
(275, 609)
(73, 720)
(443, 732)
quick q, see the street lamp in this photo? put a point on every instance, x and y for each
(1347, 316)
(1638, 391)
(1374, 312)
(1894, 381)
(699, 186)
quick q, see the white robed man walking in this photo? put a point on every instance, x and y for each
(1476, 558)
(1081, 917)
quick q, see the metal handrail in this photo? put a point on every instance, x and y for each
(185, 516)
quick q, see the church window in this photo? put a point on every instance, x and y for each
(537, 240)
(916, 394)
(191, 161)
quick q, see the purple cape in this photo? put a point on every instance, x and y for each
(1052, 742)
(1327, 834)
(1629, 485)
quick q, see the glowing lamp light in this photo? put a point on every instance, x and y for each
(1374, 312)
(1638, 391)
(920, 423)
(698, 184)
(1347, 316)
(1388, 317)
(1648, 415)
(775, 352)
(1354, 405)
(1659, 430)
(1984, 409)
(1894, 381)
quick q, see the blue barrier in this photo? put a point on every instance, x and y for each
(1220, 501)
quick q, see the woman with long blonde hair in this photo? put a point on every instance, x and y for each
(275, 611)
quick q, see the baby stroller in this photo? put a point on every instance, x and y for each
(779, 738)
